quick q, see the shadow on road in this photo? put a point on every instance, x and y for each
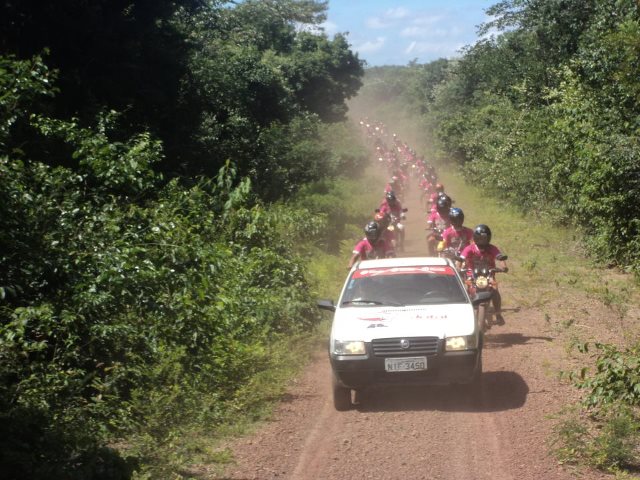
(500, 391)
(506, 340)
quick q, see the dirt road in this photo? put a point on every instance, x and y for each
(423, 433)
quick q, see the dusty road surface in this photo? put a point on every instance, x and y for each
(423, 433)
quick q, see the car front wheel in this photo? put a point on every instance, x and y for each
(341, 396)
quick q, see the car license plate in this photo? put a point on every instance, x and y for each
(408, 364)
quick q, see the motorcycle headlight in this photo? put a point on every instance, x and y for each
(467, 342)
(349, 347)
(482, 282)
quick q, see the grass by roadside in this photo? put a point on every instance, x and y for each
(547, 263)
(583, 305)
(589, 309)
(199, 451)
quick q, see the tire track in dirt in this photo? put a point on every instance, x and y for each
(326, 425)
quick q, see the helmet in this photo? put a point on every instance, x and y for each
(457, 217)
(391, 198)
(443, 205)
(482, 236)
(372, 231)
(439, 187)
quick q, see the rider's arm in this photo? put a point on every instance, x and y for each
(357, 254)
(504, 266)
(446, 238)
(503, 263)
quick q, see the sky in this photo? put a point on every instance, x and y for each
(395, 32)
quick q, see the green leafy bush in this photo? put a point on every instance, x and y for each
(122, 309)
(608, 439)
(616, 377)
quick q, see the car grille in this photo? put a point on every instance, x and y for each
(386, 347)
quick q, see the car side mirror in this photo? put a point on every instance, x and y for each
(405, 209)
(326, 305)
(501, 257)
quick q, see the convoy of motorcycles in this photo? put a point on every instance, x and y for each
(403, 164)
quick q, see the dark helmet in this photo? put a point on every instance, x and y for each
(457, 217)
(482, 236)
(372, 231)
(443, 205)
(391, 198)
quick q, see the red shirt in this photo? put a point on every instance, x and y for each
(438, 221)
(368, 251)
(457, 239)
(474, 257)
(395, 210)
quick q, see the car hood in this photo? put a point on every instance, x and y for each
(368, 323)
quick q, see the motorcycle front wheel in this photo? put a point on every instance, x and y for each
(483, 319)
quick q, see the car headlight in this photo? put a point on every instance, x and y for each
(460, 343)
(349, 347)
(482, 282)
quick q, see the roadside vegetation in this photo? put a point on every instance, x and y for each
(177, 181)
(173, 183)
(541, 114)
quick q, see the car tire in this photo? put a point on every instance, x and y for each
(476, 381)
(483, 324)
(341, 396)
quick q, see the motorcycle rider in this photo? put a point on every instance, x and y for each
(391, 204)
(373, 245)
(438, 221)
(482, 250)
(457, 236)
(438, 191)
(384, 220)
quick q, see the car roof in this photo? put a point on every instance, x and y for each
(403, 262)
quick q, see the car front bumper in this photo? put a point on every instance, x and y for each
(443, 368)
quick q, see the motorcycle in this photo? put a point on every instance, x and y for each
(481, 283)
(448, 252)
(434, 240)
(397, 227)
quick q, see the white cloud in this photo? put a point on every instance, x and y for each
(375, 23)
(396, 13)
(388, 19)
(411, 32)
(428, 19)
(424, 32)
(330, 28)
(371, 46)
(432, 48)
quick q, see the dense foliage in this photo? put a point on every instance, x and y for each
(544, 112)
(147, 269)
(213, 82)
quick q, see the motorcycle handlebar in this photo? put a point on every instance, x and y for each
(491, 270)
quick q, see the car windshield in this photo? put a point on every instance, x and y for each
(399, 286)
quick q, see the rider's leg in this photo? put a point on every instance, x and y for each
(497, 307)
(431, 245)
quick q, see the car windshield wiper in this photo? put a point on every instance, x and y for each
(374, 302)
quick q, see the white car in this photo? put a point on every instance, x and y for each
(405, 321)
